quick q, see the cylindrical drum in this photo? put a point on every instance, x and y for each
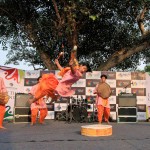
(96, 130)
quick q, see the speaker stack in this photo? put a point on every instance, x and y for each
(127, 108)
(22, 113)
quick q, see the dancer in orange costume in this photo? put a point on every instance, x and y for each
(51, 87)
(37, 106)
(2, 107)
(102, 104)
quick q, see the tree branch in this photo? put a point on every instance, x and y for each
(56, 10)
(125, 53)
(140, 19)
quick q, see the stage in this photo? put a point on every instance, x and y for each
(59, 135)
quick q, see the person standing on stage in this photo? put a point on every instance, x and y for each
(103, 92)
(38, 106)
(2, 106)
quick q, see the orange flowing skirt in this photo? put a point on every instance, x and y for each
(47, 86)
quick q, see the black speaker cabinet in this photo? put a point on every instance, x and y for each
(127, 114)
(127, 100)
(22, 119)
(127, 119)
(22, 114)
(127, 111)
(21, 100)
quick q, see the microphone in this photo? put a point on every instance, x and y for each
(128, 85)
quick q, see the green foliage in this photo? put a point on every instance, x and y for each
(147, 68)
(103, 27)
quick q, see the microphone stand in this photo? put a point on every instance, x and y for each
(127, 86)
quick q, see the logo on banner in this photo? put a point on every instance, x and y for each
(112, 99)
(90, 99)
(13, 73)
(141, 116)
(8, 112)
(139, 92)
(139, 83)
(124, 83)
(141, 99)
(93, 75)
(113, 91)
(110, 75)
(89, 90)
(47, 72)
(141, 108)
(92, 82)
(27, 89)
(30, 81)
(79, 83)
(113, 107)
(123, 75)
(79, 90)
(138, 76)
(32, 74)
(112, 83)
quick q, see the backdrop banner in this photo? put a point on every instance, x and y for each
(14, 81)
(20, 81)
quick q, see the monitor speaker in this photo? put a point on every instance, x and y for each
(127, 111)
(21, 100)
(127, 100)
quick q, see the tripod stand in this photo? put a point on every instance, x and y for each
(66, 115)
(73, 111)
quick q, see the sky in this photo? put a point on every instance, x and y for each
(22, 65)
(25, 66)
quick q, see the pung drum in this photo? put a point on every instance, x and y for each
(104, 90)
(4, 98)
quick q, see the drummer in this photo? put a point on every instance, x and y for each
(102, 103)
(2, 106)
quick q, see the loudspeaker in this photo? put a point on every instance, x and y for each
(22, 111)
(22, 114)
(127, 114)
(127, 119)
(127, 111)
(22, 119)
(21, 100)
(127, 100)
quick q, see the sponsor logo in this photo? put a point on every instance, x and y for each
(93, 75)
(141, 108)
(79, 90)
(32, 74)
(138, 91)
(138, 76)
(123, 83)
(123, 75)
(92, 82)
(91, 99)
(110, 75)
(80, 83)
(113, 107)
(113, 91)
(138, 83)
(30, 81)
(47, 72)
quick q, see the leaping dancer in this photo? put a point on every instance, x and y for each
(50, 86)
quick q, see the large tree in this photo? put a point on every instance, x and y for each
(110, 34)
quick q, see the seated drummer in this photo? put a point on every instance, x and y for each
(102, 102)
